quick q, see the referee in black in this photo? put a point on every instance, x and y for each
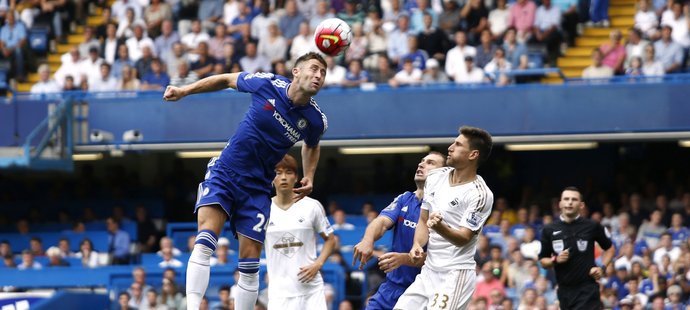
(568, 246)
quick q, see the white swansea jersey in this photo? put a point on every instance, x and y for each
(466, 205)
(291, 243)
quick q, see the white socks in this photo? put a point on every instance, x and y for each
(248, 286)
(199, 269)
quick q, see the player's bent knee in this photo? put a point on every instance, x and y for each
(211, 217)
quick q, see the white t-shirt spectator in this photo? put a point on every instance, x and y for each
(49, 86)
(476, 75)
(498, 20)
(647, 22)
(172, 263)
(404, 78)
(679, 34)
(335, 75)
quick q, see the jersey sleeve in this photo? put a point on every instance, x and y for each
(546, 248)
(429, 191)
(392, 211)
(320, 222)
(314, 136)
(479, 209)
(252, 82)
(602, 237)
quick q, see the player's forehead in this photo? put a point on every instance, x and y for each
(309, 63)
(570, 194)
(434, 157)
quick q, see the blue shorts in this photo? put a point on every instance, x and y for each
(248, 209)
(386, 296)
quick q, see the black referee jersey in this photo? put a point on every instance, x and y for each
(578, 236)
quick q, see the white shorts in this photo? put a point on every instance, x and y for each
(315, 300)
(445, 290)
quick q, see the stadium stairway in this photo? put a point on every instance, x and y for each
(53, 57)
(578, 57)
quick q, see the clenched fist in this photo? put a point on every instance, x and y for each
(172, 93)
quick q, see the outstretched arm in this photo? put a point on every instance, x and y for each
(364, 249)
(209, 84)
(310, 159)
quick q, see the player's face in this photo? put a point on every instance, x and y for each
(459, 153)
(428, 163)
(285, 180)
(310, 76)
(570, 203)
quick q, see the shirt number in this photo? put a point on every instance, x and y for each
(442, 304)
(262, 223)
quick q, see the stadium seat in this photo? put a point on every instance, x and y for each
(38, 39)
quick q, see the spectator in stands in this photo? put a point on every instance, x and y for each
(514, 49)
(456, 57)
(274, 46)
(224, 302)
(409, 75)
(339, 217)
(120, 8)
(167, 243)
(111, 43)
(666, 248)
(155, 13)
(397, 40)
(13, 40)
(217, 42)
(36, 245)
(125, 27)
(169, 261)
(106, 82)
(5, 248)
(634, 289)
(449, 19)
(546, 30)
(486, 49)
(151, 301)
(679, 232)
(358, 45)
(417, 55)
(163, 44)
(475, 16)
(433, 73)
(289, 23)
(613, 52)
(675, 295)
(417, 15)
(335, 73)
(646, 21)
(253, 62)
(123, 302)
(121, 60)
(138, 42)
(678, 17)
(128, 81)
(668, 52)
(55, 258)
(90, 67)
(28, 261)
(377, 41)
(383, 72)
(597, 69)
(8, 261)
(184, 76)
(45, 83)
(522, 14)
(355, 76)
(174, 58)
(170, 295)
(433, 40)
(65, 249)
(635, 46)
(204, 304)
(90, 41)
(496, 68)
(487, 282)
(157, 79)
(530, 246)
(651, 230)
(471, 74)
(210, 12)
(222, 252)
(351, 14)
(144, 65)
(89, 257)
(498, 20)
(118, 242)
(303, 42)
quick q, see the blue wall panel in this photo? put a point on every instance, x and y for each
(404, 113)
(7, 123)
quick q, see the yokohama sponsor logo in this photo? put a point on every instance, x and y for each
(292, 134)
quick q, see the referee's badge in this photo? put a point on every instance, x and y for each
(557, 246)
(582, 245)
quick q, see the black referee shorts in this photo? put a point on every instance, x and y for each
(584, 296)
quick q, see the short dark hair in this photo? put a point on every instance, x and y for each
(288, 162)
(224, 288)
(36, 238)
(480, 140)
(572, 189)
(126, 294)
(310, 56)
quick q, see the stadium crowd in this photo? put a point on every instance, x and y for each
(148, 44)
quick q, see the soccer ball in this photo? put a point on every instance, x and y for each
(333, 36)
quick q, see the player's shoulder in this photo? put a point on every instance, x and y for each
(438, 173)
(481, 188)
(310, 203)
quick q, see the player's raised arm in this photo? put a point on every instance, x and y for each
(310, 159)
(421, 237)
(209, 84)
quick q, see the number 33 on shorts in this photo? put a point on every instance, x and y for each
(439, 301)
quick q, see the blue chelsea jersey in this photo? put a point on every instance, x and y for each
(404, 212)
(271, 126)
